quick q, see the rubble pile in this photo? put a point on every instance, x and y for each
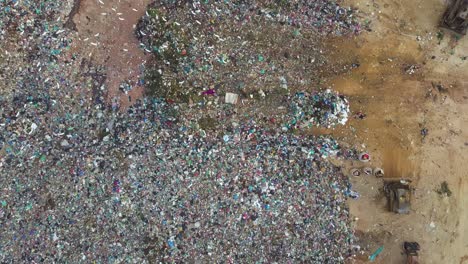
(83, 180)
(238, 46)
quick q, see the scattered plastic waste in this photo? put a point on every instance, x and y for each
(355, 172)
(376, 253)
(367, 170)
(86, 180)
(231, 98)
(364, 157)
(378, 172)
(325, 109)
(196, 46)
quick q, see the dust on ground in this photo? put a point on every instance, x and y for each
(399, 103)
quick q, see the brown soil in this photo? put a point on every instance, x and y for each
(398, 106)
(106, 32)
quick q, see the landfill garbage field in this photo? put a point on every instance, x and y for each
(158, 131)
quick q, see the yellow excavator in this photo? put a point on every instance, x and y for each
(398, 192)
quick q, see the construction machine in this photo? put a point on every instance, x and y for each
(456, 16)
(412, 252)
(398, 192)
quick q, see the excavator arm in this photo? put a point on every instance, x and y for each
(456, 16)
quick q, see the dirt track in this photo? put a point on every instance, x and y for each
(398, 105)
(106, 33)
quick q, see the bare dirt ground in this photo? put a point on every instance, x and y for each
(398, 105)
(106, 32)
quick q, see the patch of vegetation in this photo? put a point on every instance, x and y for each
(154, 83)
(169, 46)
(444, 189)
(153, 12)
(207, 123)
(440, 36)
(160, 86)
(102, 134)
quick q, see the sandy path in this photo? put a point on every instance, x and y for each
(105, 31)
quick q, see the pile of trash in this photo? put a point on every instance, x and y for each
(83, 180)
(142, 185)
(322, 109)
(248, 48)
(35, 59)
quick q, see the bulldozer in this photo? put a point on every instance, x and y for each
(398, 193)
(456, 17)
